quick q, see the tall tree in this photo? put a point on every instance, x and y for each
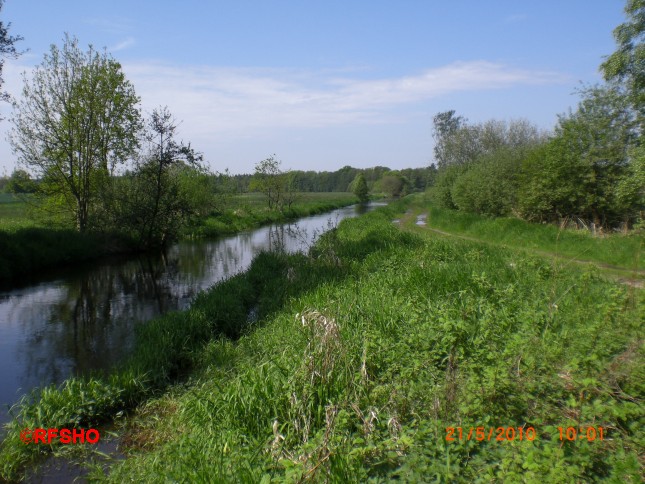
(77, 120)
(359, 188)
(7, 49)
(627, 63)
(446, 125)
(167, 187)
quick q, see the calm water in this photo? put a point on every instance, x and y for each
(83, 319)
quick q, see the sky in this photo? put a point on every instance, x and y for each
(323, 84)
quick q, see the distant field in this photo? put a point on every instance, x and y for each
(12, 207)
(258, 200)
(14, 213)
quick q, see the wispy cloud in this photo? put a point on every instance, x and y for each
(124, 44)
(234, 101)
(111, 25)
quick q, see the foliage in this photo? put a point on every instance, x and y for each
(442, 189)
(627, 64)
(166, 188)
(480, 163)
(394, 185)
(290, 194)
(630, 189)
(446, 127)
(20, 182)
(340, 180)
(458, 142)
(359, 188)
(587, 171)
(269, 179)
(7, 49)
(76, 121)
(579, 172)
(279, 187)
(490, 187)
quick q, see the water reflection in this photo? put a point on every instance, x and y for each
(84, 320)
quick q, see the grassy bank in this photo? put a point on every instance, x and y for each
(250, 210)
(28, 246)
(617, 249)
(361, 356)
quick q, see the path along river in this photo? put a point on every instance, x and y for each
(79, 320)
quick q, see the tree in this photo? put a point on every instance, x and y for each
(290, 194)
(490, 187)
(394, 185)
(269, 179)
(77, 120)
(7, 49)
(167, 187)
(586, 171)
(446, 125)
(627, 64)
(359, 188)
(480, 162)
(20, 182)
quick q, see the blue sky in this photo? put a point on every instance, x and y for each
(323, 84)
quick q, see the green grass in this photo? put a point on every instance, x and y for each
(14, 213)
(250, 210)
(361, 355)
(12, 207)
(614, 249)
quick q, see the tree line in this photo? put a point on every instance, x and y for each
(411, 179)
(589, 170)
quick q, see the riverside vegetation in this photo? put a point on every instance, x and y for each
(361, 354)
(29, 245)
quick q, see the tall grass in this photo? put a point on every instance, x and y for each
(357, 379)
(361, 355)
(614, 249)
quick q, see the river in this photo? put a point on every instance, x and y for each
(78, 320)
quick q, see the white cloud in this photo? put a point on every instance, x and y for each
(229, 106)
(124, 44)
(219, 101)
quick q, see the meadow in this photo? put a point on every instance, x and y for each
(361, 356)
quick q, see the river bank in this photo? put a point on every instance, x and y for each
(358, 359)
(28, 248)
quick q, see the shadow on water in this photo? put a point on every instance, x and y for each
(83, 319)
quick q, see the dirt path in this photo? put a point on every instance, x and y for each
(630, 277)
